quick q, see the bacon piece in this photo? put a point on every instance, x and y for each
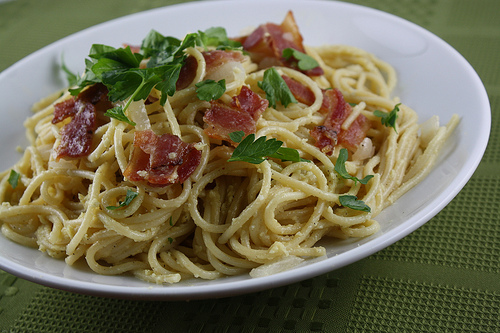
(267, 42)
(301, 93)
(250, 102)
(76, 136)
(216, 58)
(213, 59)
(222, 119)
(161, 159)
(64, 110)
(326, 138)
(187, 73)
(304, 95)
(241, 115)
(338, 111)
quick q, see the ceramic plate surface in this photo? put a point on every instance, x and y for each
(434, 79)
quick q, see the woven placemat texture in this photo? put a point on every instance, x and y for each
(444, 277)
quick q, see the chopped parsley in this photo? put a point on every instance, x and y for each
(351, 201)
(129, 196)
(304, 62)
(13, 178)
(388, 119)
(257, 151)
(276, 88)
(342, 172)
(209, 90)
(70, 76)
(117, 113)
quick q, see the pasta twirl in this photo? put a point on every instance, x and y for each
(225, 218)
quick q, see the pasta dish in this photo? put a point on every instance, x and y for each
(213, 156)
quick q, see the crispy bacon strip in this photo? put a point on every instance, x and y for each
(76, 136)
(266, 44)
(213, 59)
(337, 110)
(301, 93)
(241, 115)
(187, 73)
(216, 58)
(161, 159)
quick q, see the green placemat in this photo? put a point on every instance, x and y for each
(434, 280)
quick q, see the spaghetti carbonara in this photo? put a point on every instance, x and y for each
(242, 164)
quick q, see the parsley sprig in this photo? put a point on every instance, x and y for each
(276, 88)
(388, 119)
(210, 90)
(129, 196)
(14, 178)
(304, 62)
(257, 151)
(342, 172)
(120, 70)
(350, 201)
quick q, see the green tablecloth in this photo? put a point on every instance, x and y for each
(433, 280)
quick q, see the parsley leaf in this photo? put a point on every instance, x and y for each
(388, 119)
(217, 37)
(351, 201)
(117, 113)
(304, 62)
(276, 88)
(288, 154)
(13, 178)
(128, 199)
(255, 151)
(170, 74)
(210, 90)
(342, 172)
(158, 48)
(70, 76)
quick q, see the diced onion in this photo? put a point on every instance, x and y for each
(365, 150)
(428, 130)
(277, 266)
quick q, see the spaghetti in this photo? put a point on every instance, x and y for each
(214, 217)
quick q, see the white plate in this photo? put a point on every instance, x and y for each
(434, 79)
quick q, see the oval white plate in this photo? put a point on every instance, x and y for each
(434, 79)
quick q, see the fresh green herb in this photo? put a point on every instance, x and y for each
(210, 90)
(117, 113)
(304, 62)
(351, 201)
(120, 71)
(170, 240)
(70, 76)
(128, 199)
(13, 178)
(171, 221)
(217, 37)
(352, 104)
(256, 151)
(276, 88)
(388, 118)
(341, 170)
